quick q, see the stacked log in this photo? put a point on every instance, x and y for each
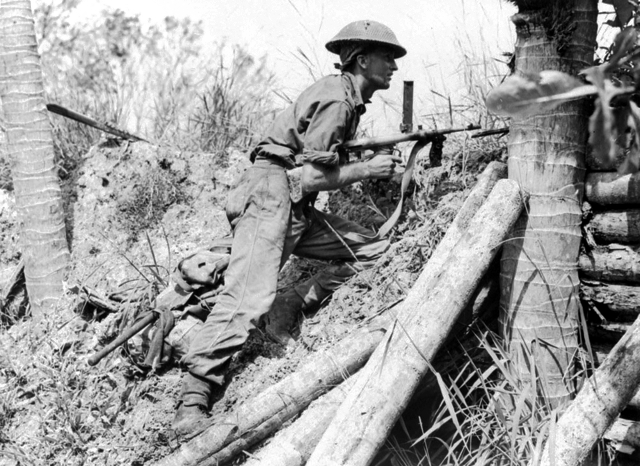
(610, 261)
(610, 264)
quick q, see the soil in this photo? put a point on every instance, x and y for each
(133, 211)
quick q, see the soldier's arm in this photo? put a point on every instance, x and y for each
(321, 170)
(319, 177)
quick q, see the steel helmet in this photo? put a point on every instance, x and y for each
(366, 31)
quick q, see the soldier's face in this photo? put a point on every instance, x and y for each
(380, 67)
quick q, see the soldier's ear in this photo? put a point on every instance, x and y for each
(363, 60)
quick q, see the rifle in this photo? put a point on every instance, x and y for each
(102, 126)
(420, 135)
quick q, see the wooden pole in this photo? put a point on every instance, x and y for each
(597, 405)
(363, 422)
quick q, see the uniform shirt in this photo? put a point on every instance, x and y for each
(311, 129)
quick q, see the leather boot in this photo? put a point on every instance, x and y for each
(189, 419)
(192, 410)
(283, 317)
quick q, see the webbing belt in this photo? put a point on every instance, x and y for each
(406, 179)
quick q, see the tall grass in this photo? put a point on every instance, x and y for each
(487, 417)
(159, 81)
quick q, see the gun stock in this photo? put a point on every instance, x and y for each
(422, 135)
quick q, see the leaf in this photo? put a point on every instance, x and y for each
(522, 96)
(623, 43)
(632, 162)
(624, 11)
(606, 130)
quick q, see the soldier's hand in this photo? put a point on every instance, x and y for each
(383, 165)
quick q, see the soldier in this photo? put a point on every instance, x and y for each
(272, 215)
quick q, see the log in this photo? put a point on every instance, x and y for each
(624, 431)
(293, 446)
(606, 333)
(598, 403)
(16, 279)
(612, 263)
(312, 380)
(616, 226)
(600, 352)
(363, 422)
(612, 188)
(615, 301)
(282, 401)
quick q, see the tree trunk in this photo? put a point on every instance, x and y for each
(30, 149)
(610, 188)
(598, 403)
(611, 264)
(539, 276)
(363, 422)
(616, 226)
(287, 398)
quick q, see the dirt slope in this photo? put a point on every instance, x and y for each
(54, 409)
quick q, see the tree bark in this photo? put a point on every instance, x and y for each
(598, 403)
(363, 422)
(611, 188)
(287, 398)
(30, 149)
(616, 302)
(616, 226)
(539, 277)
(611, 264)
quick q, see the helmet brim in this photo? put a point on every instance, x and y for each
(334, 46)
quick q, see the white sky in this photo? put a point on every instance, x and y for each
(436, 33)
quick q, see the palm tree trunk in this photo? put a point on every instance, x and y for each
(30, 149)
(539, 277)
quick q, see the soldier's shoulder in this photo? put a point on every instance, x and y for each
(332, 87)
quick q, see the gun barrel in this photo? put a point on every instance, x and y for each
(126, 336)
(371, 143)
(107, 128)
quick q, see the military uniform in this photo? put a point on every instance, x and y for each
(271, 219)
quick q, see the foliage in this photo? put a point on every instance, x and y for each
(486, 415)
(526, 95)
(155, 80)
(234, 105)
(614, 126)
